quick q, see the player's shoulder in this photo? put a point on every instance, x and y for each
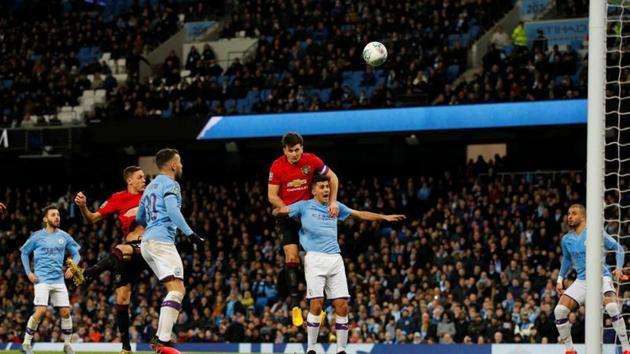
(278, 162)
(309, 156)
(36, 234)
(118, 195)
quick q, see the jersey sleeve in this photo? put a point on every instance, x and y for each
(612, 245)
(109, 207)
(318, 165)
(274, 174)
(172, 189)
(141, 214)
(73, 247)
(566, 264)
(295, 209)
(344, 211)
(26, 249)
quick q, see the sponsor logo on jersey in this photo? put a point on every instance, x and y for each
(306, 169)
(296, 183)
(131, 212)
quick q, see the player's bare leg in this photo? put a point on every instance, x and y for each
(168, 315)
(341, 324)
(31, 328)
(66, 329)
(561, 312)
(611, 305)
(292, 262)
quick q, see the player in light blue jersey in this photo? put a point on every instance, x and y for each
(323, 265)
(574, 255)
(48, 247)
(159, 212)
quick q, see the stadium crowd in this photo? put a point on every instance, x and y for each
(474, 263)
(50, 47)
(312, 64)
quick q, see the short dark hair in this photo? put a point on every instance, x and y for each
(129, 171)
(292, 139)
(580, 207)
(319, 178)
(48, 208)
(164, 156)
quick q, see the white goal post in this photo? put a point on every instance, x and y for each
(595, 174)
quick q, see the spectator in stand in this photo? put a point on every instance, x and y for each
(519, 38)
(500, 39)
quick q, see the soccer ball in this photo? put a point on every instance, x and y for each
(374, 53)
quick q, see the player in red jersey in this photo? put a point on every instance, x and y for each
(125, 258)
(290, 179)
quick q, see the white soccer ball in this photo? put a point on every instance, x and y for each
(375, 53)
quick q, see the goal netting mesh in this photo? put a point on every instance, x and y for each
(617, 147)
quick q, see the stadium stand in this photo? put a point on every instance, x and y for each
(475, 261)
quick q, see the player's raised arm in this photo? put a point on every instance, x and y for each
(81, 201)
(369, 216)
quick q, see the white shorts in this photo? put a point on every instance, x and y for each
(577, 290)
(163, 259)
(54, 294)
(325, 272)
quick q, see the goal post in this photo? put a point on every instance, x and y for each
(595, 174)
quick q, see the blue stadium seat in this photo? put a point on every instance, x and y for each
(452, 72)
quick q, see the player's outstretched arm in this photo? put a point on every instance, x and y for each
(282, 211)
(369, 216)
(81, 201)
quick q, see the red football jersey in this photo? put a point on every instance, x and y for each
(126, 205)
(295, 179)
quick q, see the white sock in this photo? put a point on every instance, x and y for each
(66, 329)
(168, 314)
(341, 325)
(618, 324)
(312, 330)
(31, 327)
(564, 326)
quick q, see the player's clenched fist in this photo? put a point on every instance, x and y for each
(80, 199)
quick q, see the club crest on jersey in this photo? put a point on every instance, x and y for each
(270, 176)
(60, 241)
(306, 169)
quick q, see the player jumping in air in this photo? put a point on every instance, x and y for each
(574, 254)
(290, 177)
(323, 265)
(125, 258)
(48, 247)
(160, 212)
